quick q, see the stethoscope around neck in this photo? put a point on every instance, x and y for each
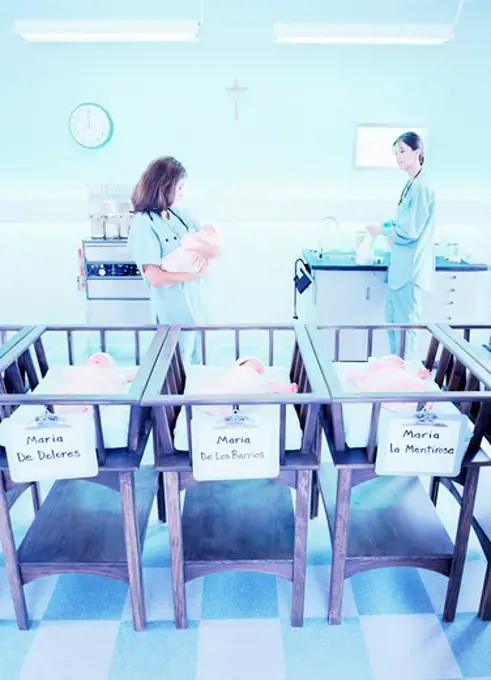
(168, 210)
(409, 184)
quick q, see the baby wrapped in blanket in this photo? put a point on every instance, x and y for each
(390, 374)
(246, 376)
(98, 376)
(194, 251)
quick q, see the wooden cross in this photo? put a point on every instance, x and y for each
(236, 88)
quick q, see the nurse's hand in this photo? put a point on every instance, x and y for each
(202, 271)
(374, 229)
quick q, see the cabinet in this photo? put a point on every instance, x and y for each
(459, 298)
(349, 297)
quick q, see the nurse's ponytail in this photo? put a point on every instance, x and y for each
(414, 142)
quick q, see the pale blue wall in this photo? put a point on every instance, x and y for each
(297, 118)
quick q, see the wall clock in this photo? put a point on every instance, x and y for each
(91, 125)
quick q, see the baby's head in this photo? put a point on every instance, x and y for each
(252, 363)
(101, 360)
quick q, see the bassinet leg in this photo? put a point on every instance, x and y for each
(36, 497)
(461, 542)
(485, 604)
(133, 554)
(340, 545)
(176, 548)
(304, 478)
(10, 557)
(434, 488)
(161, 499)
(314, 500)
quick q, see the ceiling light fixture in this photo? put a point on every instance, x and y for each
(316, 33)
(76, 31)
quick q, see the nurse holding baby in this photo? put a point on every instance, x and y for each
(171, 249)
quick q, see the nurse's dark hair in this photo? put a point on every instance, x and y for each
(414, 142)
(156, 188)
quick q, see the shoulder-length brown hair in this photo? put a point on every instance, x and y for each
(156, 188)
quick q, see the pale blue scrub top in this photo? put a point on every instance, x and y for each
(412, 236)
(151, 238)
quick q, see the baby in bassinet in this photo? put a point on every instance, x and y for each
(98, 376)
(390, 374)
(246, 376)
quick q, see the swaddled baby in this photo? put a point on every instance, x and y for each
(247, 376)
(194, 251)
(390, 374)
(98, 376)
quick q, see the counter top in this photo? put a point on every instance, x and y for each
(345, 261)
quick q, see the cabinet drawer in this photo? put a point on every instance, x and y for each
(462, 283)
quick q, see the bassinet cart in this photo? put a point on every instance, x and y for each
(95, 525)
(238, 524)
(388, 521)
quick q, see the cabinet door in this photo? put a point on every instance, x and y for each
(377, 297)
(350, 298)
(343, 297)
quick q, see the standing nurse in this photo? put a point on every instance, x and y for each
(412, 262)
(156, 230)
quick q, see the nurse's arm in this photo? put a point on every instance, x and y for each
(407, 229)
(159, 278)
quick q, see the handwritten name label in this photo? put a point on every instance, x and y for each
(54, 451)
(421, 446)
(232, 451)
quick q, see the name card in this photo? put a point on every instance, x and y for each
(422, 444)
(51, 448)
(235, 447)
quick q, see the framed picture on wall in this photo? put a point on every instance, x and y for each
(374, 145)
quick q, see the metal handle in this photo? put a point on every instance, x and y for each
(367, 295)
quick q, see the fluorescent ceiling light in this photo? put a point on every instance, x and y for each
(107, 31)
(316, 32)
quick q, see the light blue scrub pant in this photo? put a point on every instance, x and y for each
(189, 345)
(404, 305)
(171, 306)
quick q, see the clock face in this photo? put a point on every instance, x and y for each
(91, 126)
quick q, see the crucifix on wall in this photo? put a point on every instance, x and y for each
(236, 89)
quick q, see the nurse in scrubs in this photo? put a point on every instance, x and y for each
(156, 230)
(411, 234)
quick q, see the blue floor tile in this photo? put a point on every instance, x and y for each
(159, 652)
(248, 649)
(319, 650)
(83, 597)
(156, 549)
(71, 650)
(319, 542)
(14, 645)
(240, 595)
(470, 640)
(391, 591)
(408, 647)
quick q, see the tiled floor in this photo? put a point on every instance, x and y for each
(239, 624)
